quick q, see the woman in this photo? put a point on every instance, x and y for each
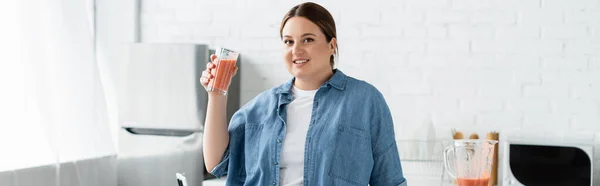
(322, 127)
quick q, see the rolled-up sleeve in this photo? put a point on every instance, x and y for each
(387, 169)
(221, 169)
(233, 156)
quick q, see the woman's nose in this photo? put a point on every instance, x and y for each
(297, 49)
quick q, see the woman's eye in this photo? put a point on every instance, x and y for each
(287, 42)
(308, 40)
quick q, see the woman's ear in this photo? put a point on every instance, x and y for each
(332, 45)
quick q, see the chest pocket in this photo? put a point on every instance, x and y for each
(353, 159)
(252, 140)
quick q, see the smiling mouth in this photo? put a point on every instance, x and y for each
(301, 61)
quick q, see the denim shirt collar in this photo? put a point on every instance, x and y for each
(338, 81)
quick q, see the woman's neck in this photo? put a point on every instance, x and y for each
(312, 83)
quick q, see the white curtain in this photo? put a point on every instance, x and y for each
(52, 103)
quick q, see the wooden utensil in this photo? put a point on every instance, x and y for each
(494, 175)
(457, 134)
(474, 136)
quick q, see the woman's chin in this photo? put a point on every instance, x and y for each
(300, 73)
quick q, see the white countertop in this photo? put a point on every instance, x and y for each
(412, 181)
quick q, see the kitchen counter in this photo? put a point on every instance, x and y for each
(214, 182)
(414, 181)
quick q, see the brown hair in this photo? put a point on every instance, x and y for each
(318, 15)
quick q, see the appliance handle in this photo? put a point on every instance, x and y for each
(446, 161)
(159, 132)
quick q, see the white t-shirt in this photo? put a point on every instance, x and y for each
(299, 112)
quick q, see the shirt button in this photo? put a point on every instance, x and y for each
(276, 163)
(273, 183)
(278, 141)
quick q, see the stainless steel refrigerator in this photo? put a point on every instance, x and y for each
(161, 113)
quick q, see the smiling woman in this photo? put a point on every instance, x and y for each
(322, 127)
(309, 35)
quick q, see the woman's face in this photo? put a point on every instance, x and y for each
(306, 50)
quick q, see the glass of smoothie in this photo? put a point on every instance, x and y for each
(224, 70)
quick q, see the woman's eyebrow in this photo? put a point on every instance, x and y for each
(303, 35)
(308, 34)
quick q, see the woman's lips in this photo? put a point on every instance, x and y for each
(300, 61)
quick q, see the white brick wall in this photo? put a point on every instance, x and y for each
(481, 65)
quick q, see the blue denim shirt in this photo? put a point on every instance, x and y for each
(350, 140)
